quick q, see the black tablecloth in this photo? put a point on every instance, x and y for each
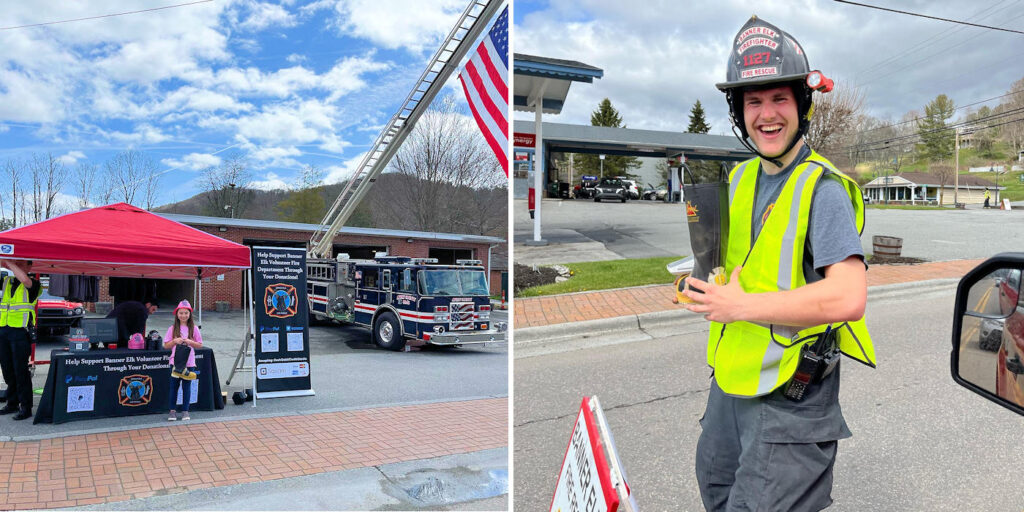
(121, 382)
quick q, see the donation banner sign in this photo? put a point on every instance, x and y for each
(112, 383)
(591, 478)
(282, 322)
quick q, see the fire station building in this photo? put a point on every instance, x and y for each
(226, 290)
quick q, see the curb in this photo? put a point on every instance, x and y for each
(532, 341)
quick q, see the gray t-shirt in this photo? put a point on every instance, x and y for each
(832, 232)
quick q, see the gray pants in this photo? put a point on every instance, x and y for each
(769, 453)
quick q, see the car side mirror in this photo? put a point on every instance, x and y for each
(988, 331)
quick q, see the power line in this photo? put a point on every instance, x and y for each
(874, 68)
(922, 117)
(929, 17)
(881, 144)
(927, 57)
(106, 15)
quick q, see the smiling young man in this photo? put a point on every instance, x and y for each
(795, 298)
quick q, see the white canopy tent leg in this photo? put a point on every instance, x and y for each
(199, 285)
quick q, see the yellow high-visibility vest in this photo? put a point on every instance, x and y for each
(752, 359)
(15, 308)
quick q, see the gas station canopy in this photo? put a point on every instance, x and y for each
(575, 138)
(548, 78)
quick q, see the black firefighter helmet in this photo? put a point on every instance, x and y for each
(764, 56)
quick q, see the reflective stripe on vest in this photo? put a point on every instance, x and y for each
(746, 360)
(15, 306)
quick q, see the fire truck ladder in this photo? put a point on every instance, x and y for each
(444, 62)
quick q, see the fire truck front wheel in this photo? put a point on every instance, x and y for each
(387, 332)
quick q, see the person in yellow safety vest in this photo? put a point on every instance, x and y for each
(17, 315)
(795, 296)
(986, 198)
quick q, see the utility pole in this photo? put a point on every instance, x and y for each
(956, 169)
(602, 166)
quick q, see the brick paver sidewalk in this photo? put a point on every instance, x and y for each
(97, 468)
(575, 307)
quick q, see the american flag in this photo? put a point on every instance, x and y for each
(485, 81)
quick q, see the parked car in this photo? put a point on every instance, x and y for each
(54, 315)
(632, 191)
(611, 188)
(656, 194)
(587, 188)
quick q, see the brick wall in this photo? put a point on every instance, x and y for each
(230, 288)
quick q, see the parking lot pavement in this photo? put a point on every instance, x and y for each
(372, 406)
(579, 230)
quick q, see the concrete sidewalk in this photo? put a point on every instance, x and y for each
(532, 312)
(108, 467)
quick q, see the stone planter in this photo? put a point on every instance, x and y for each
(223, 306)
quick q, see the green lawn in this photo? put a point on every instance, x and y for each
(904, 207)
(604, 275)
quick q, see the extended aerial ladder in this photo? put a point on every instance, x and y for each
(444, 62)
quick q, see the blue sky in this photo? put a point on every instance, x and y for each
(660, 56)
(283, 83)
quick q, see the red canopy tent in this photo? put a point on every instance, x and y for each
(123, 241)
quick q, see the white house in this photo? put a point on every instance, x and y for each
(911, 187)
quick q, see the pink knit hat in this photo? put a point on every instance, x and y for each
(183, 304)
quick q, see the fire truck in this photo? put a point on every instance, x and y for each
(402, 300)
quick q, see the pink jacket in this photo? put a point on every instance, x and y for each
(184, 334)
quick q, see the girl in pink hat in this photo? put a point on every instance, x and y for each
(183, 332)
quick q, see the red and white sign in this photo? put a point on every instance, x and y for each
(524, 140)
(591, 478)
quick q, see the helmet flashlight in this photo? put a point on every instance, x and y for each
(817, 81)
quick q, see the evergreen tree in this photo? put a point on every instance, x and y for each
(698, 124)
(937, 141)
(614, 165)
(704, 171)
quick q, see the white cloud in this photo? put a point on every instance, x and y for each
(193, 161)
(343, 172)
(392, 24)
(283, 124)
(265, 15)
(189, 98)
(144, 133)
(71, 157)
(296, 58)
(270, 182)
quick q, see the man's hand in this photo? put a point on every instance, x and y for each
(719, 303)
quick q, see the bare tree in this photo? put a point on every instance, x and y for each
(151, 188)
(14, 174)
(47, 175)
(834, 117)
(445, 156)
(85, 180)
(1013, 132)
(226, 187)
(127, 173)
(943, 173)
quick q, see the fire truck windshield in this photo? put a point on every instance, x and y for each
(453, 282)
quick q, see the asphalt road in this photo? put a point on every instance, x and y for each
(644, 229)
(921, 442)
(347, 370)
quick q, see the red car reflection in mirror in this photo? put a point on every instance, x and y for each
(1010, 367)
